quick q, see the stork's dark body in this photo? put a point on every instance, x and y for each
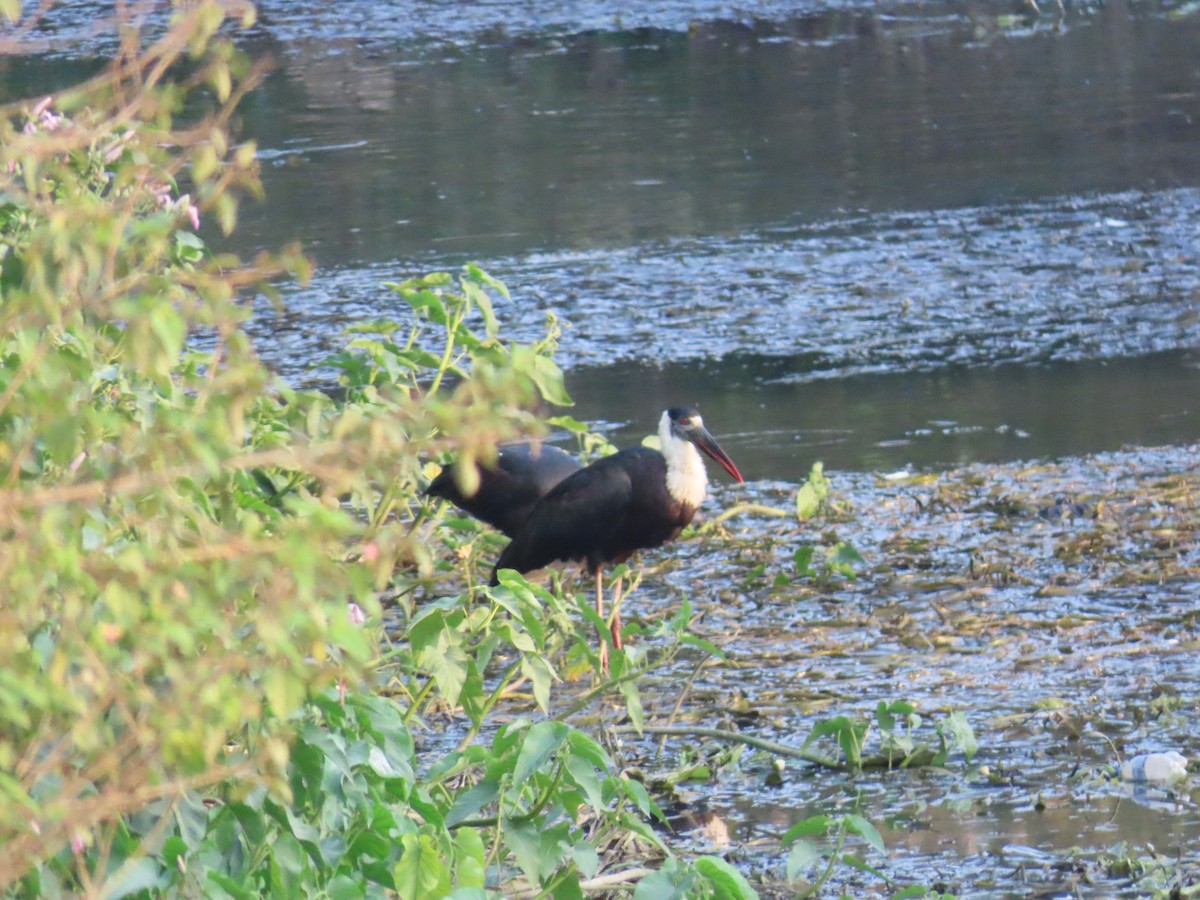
(510, 490)
(600, 515)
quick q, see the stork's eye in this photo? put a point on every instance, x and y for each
(685, 421)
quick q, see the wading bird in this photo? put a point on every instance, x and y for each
(633, 500)
(510, 489)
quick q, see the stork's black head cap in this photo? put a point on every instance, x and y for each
(682, 414)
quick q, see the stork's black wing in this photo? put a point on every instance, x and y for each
(578, 518)
(543, 466)
(508, 492)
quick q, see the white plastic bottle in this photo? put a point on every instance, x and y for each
(1163, 768)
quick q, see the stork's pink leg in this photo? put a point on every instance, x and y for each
(599, 573)
(616, 615)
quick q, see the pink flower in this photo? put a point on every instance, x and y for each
(162, 194)
(358, 615)
(42, 117)
(190, 210)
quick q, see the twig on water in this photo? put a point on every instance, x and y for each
(778, 749)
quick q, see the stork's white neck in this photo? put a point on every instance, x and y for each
(687, 480)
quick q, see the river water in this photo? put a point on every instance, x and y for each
(996, 224)
(753, 209)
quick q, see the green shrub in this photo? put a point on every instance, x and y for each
(181, 533)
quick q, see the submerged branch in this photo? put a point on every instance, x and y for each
(918, 758)
(744, 509)
(819, 759)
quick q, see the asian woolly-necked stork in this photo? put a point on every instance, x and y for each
(635, 499)
(510, 489)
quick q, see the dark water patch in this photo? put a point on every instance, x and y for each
(23, 77)
(608, 139)
(776, 427)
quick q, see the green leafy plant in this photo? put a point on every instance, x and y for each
(190, 547)
(811, 496)
(836, 560)
(897, 723)
(849, 735)
(840, 559)
(1154, 873)
(198, 557)
(805, 853)
(592, 444)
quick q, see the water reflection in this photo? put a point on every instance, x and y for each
(615, 138)
(981, 820)
(980, 840)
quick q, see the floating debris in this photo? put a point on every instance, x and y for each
(1166, 768)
